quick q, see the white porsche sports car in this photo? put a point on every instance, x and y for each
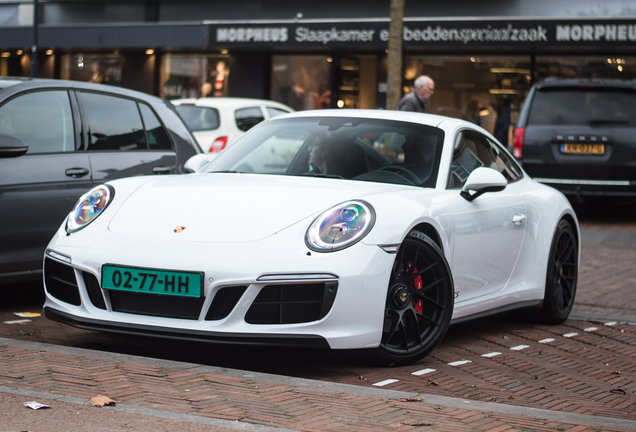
(340, 229)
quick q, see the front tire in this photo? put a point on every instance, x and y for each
(419, 303)
(561, 278)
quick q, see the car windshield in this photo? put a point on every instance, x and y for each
(338, 147)
(199, 118)
(593, 106)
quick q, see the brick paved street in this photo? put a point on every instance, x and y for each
(197, 390)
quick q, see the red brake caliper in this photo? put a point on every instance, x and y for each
(416, 285)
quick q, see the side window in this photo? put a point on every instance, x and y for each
(247, 118)
(273, 112)
(505, 164)
(157, 136)
(472, 150)
(43, 120)
(114, 123)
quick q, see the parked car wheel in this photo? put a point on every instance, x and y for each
(560, 285)
(419, 303)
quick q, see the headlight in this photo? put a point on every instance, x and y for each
(340, 226)
(89, 206)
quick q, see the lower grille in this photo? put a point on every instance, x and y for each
(60, 282)
(292, 304)
(156, 305)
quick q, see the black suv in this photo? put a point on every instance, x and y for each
(579, 136)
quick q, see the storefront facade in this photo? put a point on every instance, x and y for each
(334, 57)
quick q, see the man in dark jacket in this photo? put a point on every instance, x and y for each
(423, 89)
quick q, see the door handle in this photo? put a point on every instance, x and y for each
(76, 172)
(518, 219)
(162, 170)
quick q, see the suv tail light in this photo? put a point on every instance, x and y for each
(218, 144)
(517, 144)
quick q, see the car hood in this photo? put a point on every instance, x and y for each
(221, 207)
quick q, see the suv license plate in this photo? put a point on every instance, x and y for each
(151, 281)
(592, 149)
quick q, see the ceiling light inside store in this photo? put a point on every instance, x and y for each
(150, 51)
(6, 54)
(49, 52)
(340, 103)
(503, 91)
(224, 51)
(19, 52)
(620, 68)
(510, 70)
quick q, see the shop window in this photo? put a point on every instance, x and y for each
(485, 90)
(614, 67)
(194, 76)
(101, 69)
(302, 82)
(348, 83)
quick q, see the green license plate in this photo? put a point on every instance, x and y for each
(151, 281)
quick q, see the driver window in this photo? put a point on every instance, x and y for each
(42, 119)
(471, 151)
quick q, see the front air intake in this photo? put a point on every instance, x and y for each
(60, 282)
(292, 304)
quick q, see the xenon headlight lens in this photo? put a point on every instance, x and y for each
(340, 226)
(89, 206)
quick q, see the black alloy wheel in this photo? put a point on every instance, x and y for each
(561, 278)
(419, 304)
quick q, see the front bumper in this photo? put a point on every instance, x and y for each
(352, 319)
(298, 341)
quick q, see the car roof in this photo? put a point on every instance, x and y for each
(585, 82)
(229, 102)
(433, 120)
(15, 84)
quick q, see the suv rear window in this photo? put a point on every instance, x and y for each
(584, 106)
(199, 118)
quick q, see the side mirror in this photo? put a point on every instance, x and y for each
(195, 163)
(483, 180)
(11, 146)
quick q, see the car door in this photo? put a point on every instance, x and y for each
(39, 188)
(124, 138)
(489, 230)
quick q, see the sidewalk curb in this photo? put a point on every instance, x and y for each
(293, 382)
